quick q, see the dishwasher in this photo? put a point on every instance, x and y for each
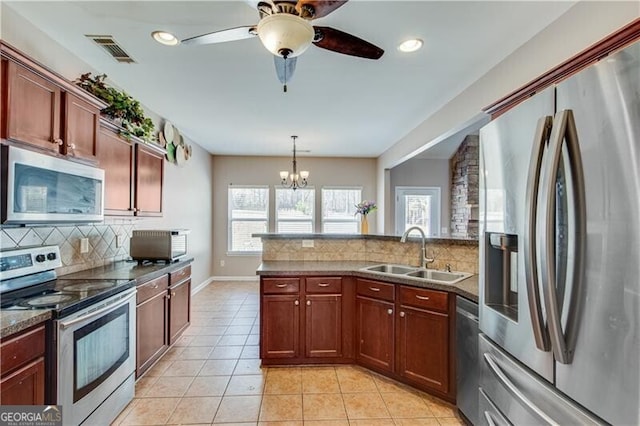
(467, 368)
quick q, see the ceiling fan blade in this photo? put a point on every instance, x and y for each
(284, 68)
(341, 42)
(317, 8)
(231, 34)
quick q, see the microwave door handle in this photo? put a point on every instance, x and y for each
(540, 333)
(563, 345)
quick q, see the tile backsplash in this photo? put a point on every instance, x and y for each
(103, 247)
(462, 255)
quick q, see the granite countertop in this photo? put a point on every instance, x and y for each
(129, 270)
(15, 321)
(467, 288)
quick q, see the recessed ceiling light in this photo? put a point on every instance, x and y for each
(410, 45)
(165, 38)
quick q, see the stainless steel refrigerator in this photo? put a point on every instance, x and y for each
(560, 252)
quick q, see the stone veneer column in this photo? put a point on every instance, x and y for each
(464, 189)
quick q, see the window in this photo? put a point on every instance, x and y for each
(248, 214)
(338, 210)
(417, 206)
(294, 210)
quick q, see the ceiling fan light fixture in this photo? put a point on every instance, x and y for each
(164, 37)
(285, 35)
(410, 45)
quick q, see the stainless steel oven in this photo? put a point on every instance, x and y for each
(38, 188)
(96, 360)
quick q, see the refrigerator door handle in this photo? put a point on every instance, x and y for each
(513, 390)
(564, 343)
(540, 332)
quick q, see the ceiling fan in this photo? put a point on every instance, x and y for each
(285, 30)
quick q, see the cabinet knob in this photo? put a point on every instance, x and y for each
(401, 314)
(57, 141)
(308, 302)
(390, 311)
(72, 147)
(173, 293)
(297, 302)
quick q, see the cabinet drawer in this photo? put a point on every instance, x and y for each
(423, 298)
(376, 290)
(149, 289)
(280, 285)
(323, 285)
(180, 274)
(21, 349)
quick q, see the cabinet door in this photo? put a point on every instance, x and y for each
(82, 121)
(115, 156)
(375, 333)
(323, 325)
(25, 386)
(149, 178)
(423, 347)
(32, 108)
(280, 326)
(179, 304)
(151, 335)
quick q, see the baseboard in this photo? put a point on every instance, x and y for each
(250, 278)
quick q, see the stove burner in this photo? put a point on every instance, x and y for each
(86, 286)
(48, 300)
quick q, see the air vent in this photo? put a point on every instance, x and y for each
(112, 47)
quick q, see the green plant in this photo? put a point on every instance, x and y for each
(121, 107)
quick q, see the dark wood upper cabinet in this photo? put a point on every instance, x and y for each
(32, 114)
(115, 156)
(43, 110)
(149, 177)
(81, 124)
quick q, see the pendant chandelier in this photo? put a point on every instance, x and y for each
(294, 180)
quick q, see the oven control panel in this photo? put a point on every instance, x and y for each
(31, 260)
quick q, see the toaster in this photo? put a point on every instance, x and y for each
(155, 244)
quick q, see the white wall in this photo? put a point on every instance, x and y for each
(187, 194)
(583, 25)
(264, 171)
(423, 172)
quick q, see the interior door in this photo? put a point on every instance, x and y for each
(506, 147)
(603, 372)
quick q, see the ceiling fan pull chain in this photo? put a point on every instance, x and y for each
(285, 77)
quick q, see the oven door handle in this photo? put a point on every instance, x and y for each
(127, 296)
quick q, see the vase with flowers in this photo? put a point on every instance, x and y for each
(364, 208)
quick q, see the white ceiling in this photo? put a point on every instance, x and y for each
(226, 97)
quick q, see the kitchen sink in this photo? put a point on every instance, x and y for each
(439, 276)
(390, 269)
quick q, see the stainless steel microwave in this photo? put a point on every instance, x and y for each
(38, 188)
(152, 244)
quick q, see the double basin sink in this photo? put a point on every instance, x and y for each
(430, 275)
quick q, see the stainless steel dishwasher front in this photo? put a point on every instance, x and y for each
(468, 370)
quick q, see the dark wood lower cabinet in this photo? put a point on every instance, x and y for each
(179, 308)
(22, 368)
(151, 334)
(323, 326)
(280, 326)
(423, 348)
(163, 313)
(375, 333)
(25, 386)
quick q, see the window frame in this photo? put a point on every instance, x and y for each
(230, 220)
(322, 219)
(313, 212)
(400, 191)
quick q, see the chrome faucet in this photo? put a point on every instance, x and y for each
(424, 260)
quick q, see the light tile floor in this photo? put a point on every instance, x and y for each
(213, 376)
